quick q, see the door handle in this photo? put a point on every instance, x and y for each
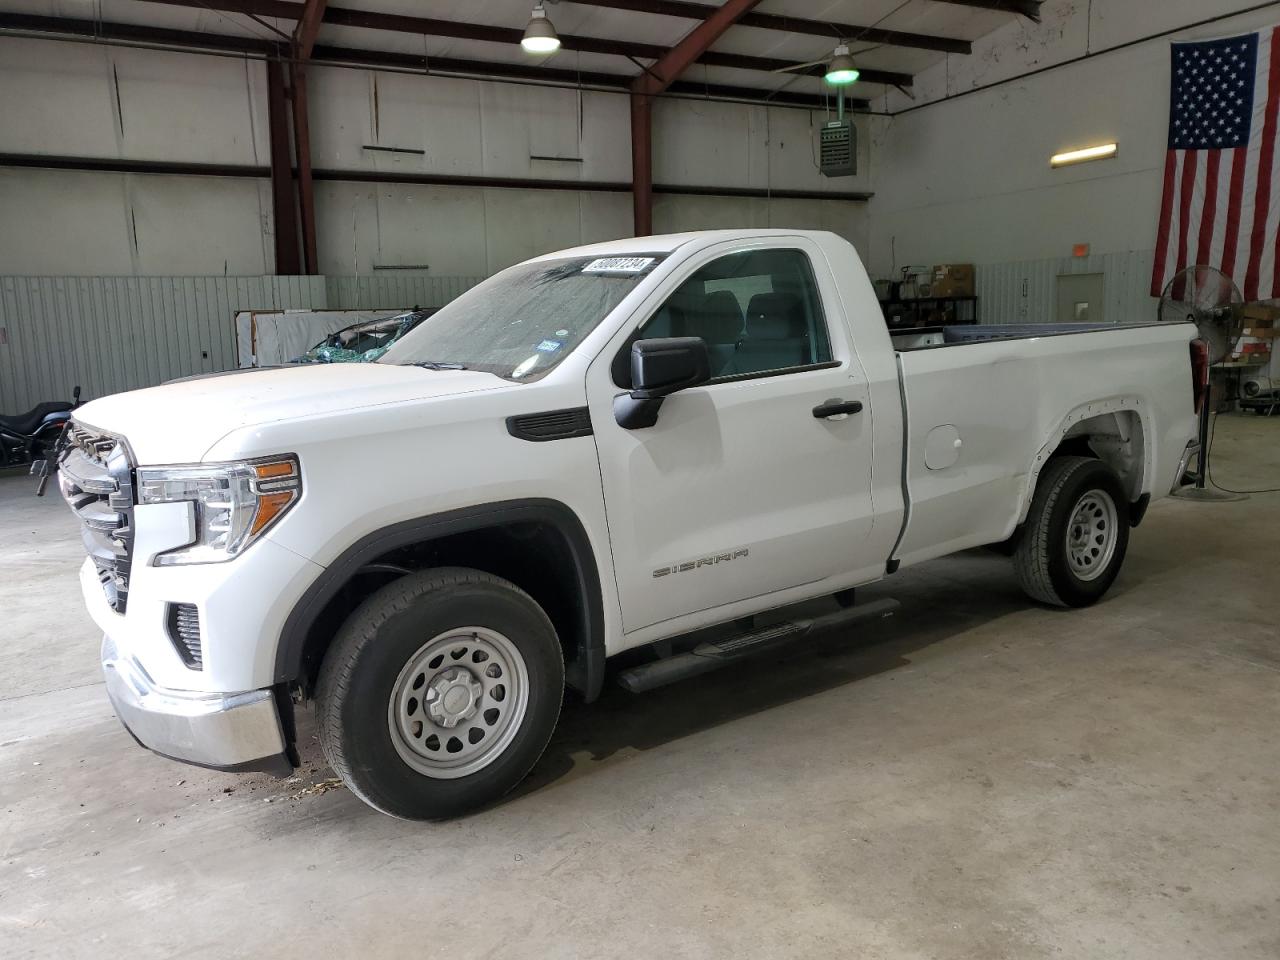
(836, 409)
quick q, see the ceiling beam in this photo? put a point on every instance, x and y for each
(197, 41)
(695, 46)
(308, 26)
(434, 27)
(830, 29)
(1027, 8)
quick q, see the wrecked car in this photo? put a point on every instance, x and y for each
(365, 341)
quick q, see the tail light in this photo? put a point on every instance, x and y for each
(1199, 372)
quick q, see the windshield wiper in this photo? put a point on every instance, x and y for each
(437, 365)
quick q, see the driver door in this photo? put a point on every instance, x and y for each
(739, 490)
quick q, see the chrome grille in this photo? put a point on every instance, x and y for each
(95, 475)
(184, 631)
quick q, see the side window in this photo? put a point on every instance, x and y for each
(757, 310)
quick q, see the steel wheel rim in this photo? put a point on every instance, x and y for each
(458, 702)
(1091, 535)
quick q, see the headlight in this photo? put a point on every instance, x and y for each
(235, 503)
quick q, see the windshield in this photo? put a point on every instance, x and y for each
(523, 321)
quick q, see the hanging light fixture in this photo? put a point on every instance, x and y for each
(540, 35)
(841, 70)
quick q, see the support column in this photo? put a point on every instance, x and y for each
(302, 145)
(642, 163)
(652, 82)
(304, 41)
(284, 213)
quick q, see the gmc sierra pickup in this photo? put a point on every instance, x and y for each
(597, 450)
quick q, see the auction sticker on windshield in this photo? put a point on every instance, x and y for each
(619, 265)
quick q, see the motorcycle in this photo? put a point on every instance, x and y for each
(33, 437)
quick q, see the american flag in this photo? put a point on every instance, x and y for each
(1221, 203)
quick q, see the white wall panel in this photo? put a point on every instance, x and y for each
(64, 221)
(606, 141)
(705, 143)
(1026, 291)
(170, 111)
(129, 223)
(969, 180)
(100, 101)
(340, 109)
(605, 216)
(363, 225)
(83, 100)
(184, 225)
(55, 98)
(525, 223)
(441, 117)
(676, 213)
(519, 122)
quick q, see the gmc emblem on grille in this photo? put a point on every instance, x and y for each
(710, 561)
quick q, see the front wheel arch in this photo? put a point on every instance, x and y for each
(378, 558)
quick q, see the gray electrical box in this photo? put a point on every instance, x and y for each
(838, 149)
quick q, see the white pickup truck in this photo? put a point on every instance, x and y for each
(600, 449)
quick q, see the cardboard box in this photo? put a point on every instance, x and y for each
(1252, 352)
(1260, 314)
(1260, 332)
(952, 280)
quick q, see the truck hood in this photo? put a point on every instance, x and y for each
(179, 422)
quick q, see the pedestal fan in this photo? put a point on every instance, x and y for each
(1208, 298)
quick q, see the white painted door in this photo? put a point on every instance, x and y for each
(1081, 298)
(738, 491)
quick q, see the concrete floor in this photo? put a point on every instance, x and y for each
(976, 777)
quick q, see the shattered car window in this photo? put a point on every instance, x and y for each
(523, 321)
(363, 342)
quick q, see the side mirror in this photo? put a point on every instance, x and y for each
(659, 368)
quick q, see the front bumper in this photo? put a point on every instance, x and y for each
(224, 731)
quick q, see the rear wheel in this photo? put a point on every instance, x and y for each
(1076, 534)
(440, 693)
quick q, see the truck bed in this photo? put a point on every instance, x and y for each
(905, 340)
(977, 418)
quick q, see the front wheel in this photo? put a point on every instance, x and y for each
(1076, 534)
(440, 693)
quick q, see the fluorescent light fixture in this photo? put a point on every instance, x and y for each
(841, 70)
(540, 35)
(1100, 152)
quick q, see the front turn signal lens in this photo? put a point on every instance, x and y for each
(270, 506)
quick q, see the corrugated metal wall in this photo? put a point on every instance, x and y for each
(119, 333)
(394, 291)
(1026, 291)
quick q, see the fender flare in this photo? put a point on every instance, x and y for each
(587, 674)
(1086, 411)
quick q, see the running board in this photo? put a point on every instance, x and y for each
(713, 655)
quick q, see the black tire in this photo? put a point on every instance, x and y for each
(1041, 559)
(378, 641)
